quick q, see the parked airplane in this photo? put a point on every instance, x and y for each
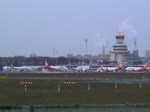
(110, 69)
(144, 68)
(22, 68)
(55, 68)
(84, 68)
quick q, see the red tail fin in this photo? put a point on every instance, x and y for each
(119, 67)
(48, 67)
(145, 65)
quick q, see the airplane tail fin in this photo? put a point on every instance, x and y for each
(101, 69)
(46, 63)
(119, 67)
(90, 63)
(11, 66)
(145, 65)
(48, 67)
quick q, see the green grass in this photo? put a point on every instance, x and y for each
(46, 92)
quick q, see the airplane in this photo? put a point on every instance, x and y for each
(144, 68)
(22, 68)
(55, 68)
(110, 69)
(84, 68)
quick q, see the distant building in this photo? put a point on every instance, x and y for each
(119, 52)
(103, 58)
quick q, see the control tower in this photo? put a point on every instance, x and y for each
(119, 52)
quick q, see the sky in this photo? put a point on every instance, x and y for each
(59, 27)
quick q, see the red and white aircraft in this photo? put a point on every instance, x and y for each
(110, 69)
(144, 68)
(55, 68)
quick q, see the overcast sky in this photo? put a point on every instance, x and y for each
(44, 26)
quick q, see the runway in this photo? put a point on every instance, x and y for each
(85, 80)
(129, 78)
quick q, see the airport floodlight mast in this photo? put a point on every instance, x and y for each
(53, 52)
(86, 46)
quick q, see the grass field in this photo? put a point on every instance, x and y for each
(46, 92)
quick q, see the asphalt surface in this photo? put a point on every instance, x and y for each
(81, 78)
(85, 80)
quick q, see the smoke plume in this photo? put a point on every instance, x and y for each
(128, 30)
